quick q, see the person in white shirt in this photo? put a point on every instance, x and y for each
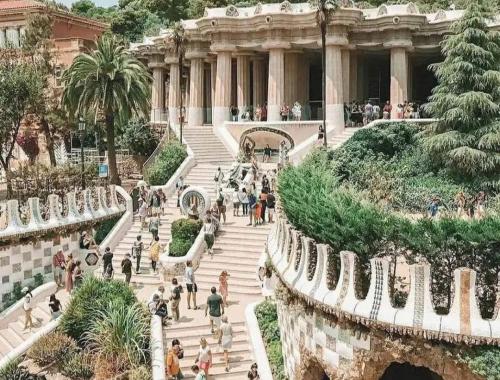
(236, 202)
(28, 321)
(159, 292)
(209, 231)
(191, 286)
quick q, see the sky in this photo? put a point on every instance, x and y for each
(100, 3)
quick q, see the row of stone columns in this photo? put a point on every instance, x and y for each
(284, 66)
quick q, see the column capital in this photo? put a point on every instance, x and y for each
(337, 40)
(276, 45)
(157, 65)
(243, 53)
(196, 54)
(171, 60)
(399, 43)
(222, 47)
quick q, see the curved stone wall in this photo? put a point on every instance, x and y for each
(302, 265)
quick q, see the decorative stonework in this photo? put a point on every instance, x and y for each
(286, 7)
(232, 11)
(258, 9)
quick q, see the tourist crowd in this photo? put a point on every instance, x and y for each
(358, 113)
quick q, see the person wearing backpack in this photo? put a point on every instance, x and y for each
(221, 205)
(175, 297)
(252, 203)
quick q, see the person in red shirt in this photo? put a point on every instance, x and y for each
(387, 110)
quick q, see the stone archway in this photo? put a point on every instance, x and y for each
(314, 371)
(396, 371)
(276, 131)
(312, 368)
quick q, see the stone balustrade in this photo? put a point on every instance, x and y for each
(303, 266)
(96, 206)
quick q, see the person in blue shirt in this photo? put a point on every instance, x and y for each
(252, 203)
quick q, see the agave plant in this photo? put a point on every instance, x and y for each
(120, 335)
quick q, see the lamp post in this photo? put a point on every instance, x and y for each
(81, 129)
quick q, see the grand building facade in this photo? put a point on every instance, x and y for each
(270, 54)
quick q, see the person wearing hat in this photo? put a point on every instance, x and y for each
(70, 266)
(28, 321)
(127, 268)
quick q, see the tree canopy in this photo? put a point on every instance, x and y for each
(466, 100)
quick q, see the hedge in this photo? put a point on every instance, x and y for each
(165, 165)
(267, 317)
(184, 233)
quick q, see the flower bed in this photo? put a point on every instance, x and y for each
(184, 233)
(165, 165)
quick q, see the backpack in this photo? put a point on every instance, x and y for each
(177, 293)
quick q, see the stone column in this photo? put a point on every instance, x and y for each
(276, 81)
(196, 86)
(259, 82)
(243, 82)
(353, 77)
(213, 79)
(303, 92)
(157, 65)
(292, 82)
(346, 74)
(334, 87)
(174, 91)
(222, 98)
(399, 74)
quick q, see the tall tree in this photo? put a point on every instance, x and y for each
(324, 11)
(21, 90)
(108, 81)
(177, 38)
(466, 138)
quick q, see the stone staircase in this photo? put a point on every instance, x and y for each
(205, 145)
(13, 335)
(334, 141)
(237, 250)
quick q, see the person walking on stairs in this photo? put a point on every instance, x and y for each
(204, 358)
(137, 253)
(236, 202)
(209, 234)
(214, 308)
(221, 205)
(226, 339)
(55, 307)
(199, 373)
(252, 203)
(126, 265)
(175, 297)
(28, 308)
(218, 178)
(70, 265)
(223, 286)
(172, 365)
(191, 286)
(107, 259)
(59, 266)
(154, 225)
(243, 196)
(154, 253)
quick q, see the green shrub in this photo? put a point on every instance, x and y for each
(12, 371)
(267, 317)
(120, 334)
(483, 361)
(104, 228)
(166, 164)
(89, 300)
(184, 233)
(138, 138)
(52, 348)
(78, 366)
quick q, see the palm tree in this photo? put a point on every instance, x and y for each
(324, 11)
(177, 40)
(108, 81)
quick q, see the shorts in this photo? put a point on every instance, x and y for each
(204, 366)
(215, 320)
(191, 288)
(236, 205)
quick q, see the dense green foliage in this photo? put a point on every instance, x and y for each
(78, 366)
(267, 316)
(483, 361)
(112, 81)
(89, 300)
(11, 371)
(347, 197)
(138, 138)
(184, 233)
(466, 100)
(52, 348)
(120, 333)
(102, 230)
(166, 164)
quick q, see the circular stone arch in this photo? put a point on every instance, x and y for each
(266, 129)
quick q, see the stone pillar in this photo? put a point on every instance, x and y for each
(213, 79)
(222, 101)
(158, 88)
(292, 81)
(259, 82)
(276, 81)
(243, 82)
(346, 74)
(196, 86)
(353, 77)
(303, 91)
(334, 87)
(174, 92)
(399, 77)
